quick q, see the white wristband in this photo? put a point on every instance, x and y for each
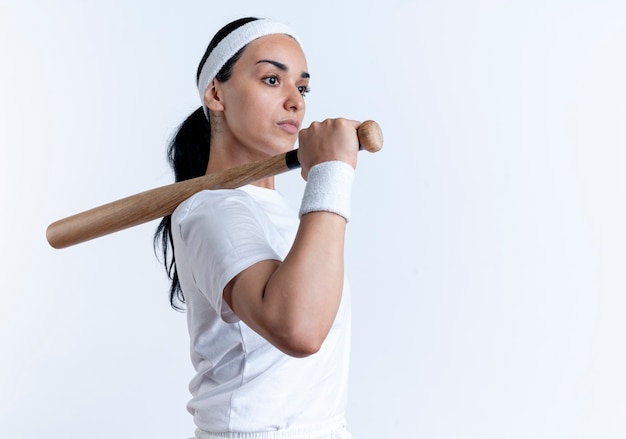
(328, 189)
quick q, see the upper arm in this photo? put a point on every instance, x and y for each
(221, 237)
(245, 293)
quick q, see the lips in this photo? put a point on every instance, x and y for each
(289, 125)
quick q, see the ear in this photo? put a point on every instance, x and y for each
(213, 96)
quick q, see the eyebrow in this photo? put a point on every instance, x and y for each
(283, 67)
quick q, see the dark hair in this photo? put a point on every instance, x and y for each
(188, 155)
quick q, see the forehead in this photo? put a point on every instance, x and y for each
(279, 47)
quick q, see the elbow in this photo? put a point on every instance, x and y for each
(301, 344)
(300, 350)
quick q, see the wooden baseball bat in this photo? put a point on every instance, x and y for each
(156, 203)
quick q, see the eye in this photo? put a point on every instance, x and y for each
(271, 80)
(304, 89)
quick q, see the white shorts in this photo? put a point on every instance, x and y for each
(335, 430)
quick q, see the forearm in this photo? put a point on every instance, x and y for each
(304, 292)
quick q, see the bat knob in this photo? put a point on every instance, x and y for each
(370, 136)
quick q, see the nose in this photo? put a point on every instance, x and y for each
(294, 100)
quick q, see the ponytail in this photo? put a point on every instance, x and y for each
(188, 155)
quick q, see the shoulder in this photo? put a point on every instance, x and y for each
(217, 202)
(219, 217)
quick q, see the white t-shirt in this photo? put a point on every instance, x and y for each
(243, 383)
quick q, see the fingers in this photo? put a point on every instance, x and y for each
(332, 139)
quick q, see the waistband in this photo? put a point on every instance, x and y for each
(329, 430)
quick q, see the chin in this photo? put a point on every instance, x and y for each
(283, 146)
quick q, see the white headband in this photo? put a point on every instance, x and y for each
(231, 44)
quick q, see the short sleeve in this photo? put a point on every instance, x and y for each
(221, 233)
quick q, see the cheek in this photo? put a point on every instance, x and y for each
(249, 115)
(255, 108)
(249, 108)
(249, 119)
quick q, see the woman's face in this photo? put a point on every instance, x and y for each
(263, 101)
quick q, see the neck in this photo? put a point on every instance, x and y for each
(227, 155)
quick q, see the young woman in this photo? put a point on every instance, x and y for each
(268, 308)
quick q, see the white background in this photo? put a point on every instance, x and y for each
(487, 246)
